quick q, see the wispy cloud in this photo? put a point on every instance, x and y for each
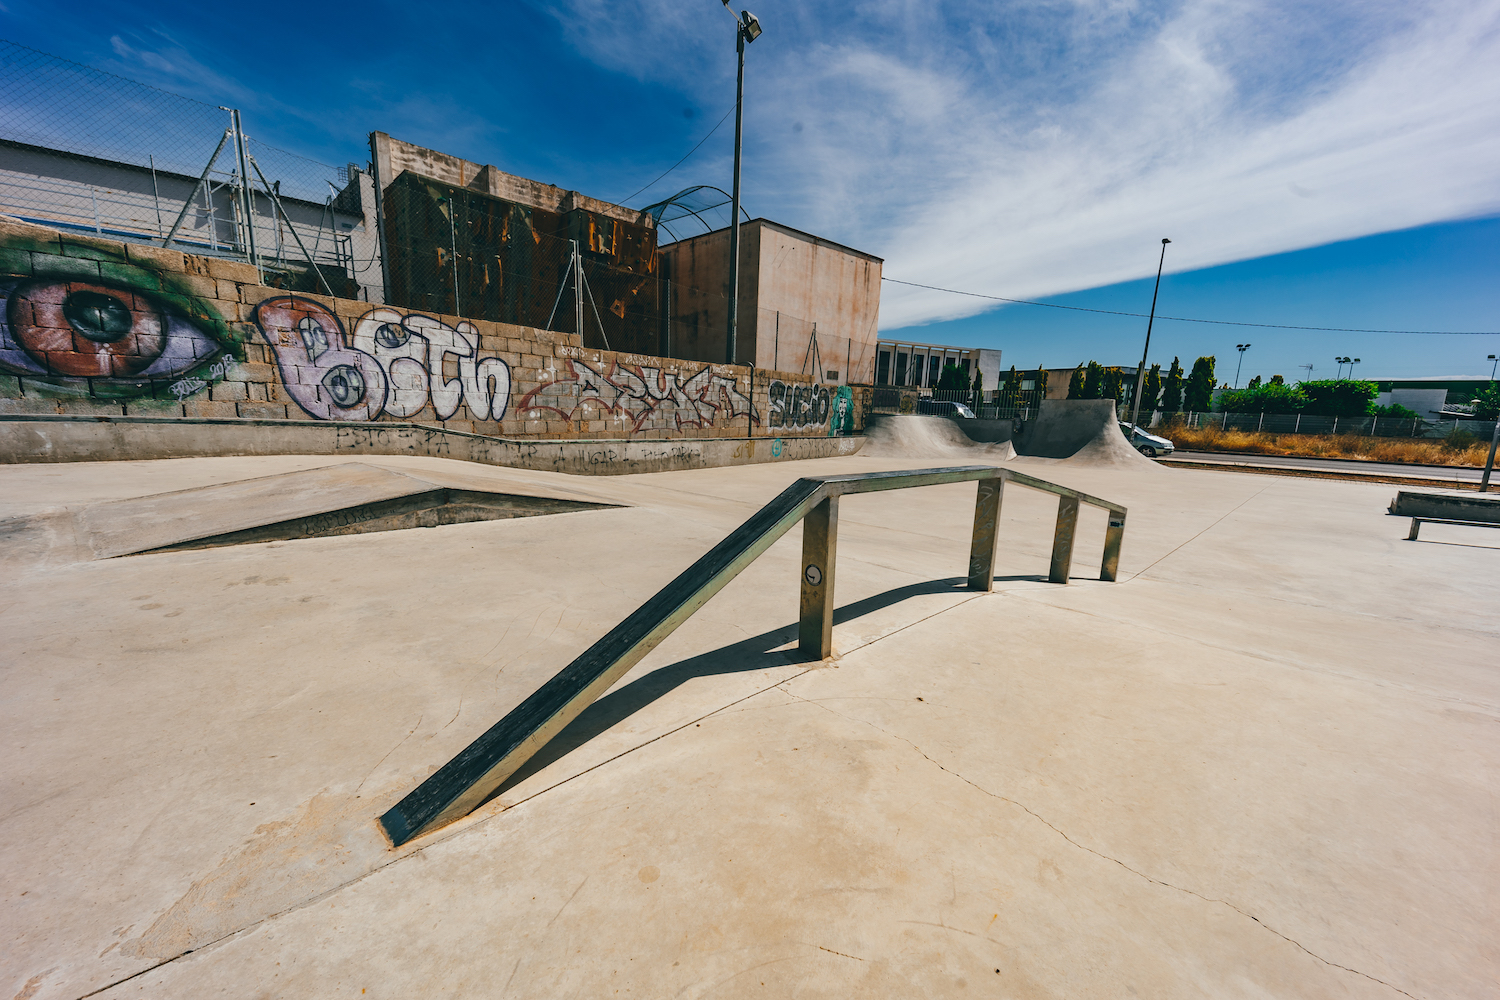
(1046, 146)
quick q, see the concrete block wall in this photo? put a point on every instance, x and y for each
(95, 327)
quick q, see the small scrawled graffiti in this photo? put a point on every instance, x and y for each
(132, 334)
(799, 405)
(648, 398)
(393, 363)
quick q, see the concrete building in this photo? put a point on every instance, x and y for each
(907, 363)
(806, 304)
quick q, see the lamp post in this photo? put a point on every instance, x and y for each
(1242, 348)
(1352, 363)
(1140, 373)
(1492, 367)
(746, 29)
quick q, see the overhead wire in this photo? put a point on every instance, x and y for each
(1186, 319)
(679, 162)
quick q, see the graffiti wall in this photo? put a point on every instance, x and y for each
(91, 326)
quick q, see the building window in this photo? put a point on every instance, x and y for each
(934, 366)
(885, 369)
(900, 370)
(1027, 385)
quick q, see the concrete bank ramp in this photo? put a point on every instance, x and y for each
(348, 498)
(1080, 432)
(930, 437)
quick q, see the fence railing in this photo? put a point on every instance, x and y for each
(470, 778)
(1305, 423)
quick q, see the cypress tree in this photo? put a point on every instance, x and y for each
(1151, 391)
(1171, 396)
(1093, 381)
(1075, 383)
(1199, 392)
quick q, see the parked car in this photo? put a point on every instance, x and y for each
(1145, 442)
(944, 408)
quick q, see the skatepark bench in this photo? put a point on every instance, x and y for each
(1437, 508)
(468, 780)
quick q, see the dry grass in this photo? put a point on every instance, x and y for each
(1414, 451)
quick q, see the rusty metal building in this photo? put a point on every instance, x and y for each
(470, 240)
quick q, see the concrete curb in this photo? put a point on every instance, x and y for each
(40, 438)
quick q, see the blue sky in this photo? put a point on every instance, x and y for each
(1322, 164)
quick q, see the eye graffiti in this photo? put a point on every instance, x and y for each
(393, 363)
(115, 338)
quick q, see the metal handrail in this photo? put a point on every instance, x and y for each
(466, 781)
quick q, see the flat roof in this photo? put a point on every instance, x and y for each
(821, 240)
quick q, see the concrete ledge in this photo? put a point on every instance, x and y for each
(39, 438)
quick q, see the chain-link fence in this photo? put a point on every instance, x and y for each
(1307, 423)
(92, 152)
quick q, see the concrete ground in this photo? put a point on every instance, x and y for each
(1263, 764)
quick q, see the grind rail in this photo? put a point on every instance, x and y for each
(466, 781)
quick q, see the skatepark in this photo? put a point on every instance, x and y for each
(1261, 762)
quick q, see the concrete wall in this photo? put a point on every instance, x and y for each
(790, 283)
(95, 327)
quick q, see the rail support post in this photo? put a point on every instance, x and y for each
(1062, 539)
(986, 534)
(1114, 535)
(820, 534)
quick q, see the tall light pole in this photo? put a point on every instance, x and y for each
(1242, 348)
(1352, 363)
(746, 29)
(1492, 367)
(1140, 373)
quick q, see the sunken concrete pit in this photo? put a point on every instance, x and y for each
(1263, 763)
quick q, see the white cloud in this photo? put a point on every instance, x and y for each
(1045, 147)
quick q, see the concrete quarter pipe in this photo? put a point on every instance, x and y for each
(1085, 431)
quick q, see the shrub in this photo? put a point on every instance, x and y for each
(1200, 385)
(1271, 398)
(1398, 411)
(1459, 439)
(1339, 397)
(1075, 383)
(1277, 380)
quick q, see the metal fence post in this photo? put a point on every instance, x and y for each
(986, 534)
(1114, 536)
(1062, 539)
(820, 532)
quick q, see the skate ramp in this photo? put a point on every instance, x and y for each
(1080, 432)
(930, 437)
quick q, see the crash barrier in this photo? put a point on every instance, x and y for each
(470, 778)
(1436, 508)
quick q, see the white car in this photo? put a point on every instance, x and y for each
(1145, 442)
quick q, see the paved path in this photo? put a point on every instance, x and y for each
(1342, 465)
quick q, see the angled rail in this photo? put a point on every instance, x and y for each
(460, 785)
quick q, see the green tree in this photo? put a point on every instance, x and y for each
(1487, 402)
(1075, 383)
(978, 385)
(1011, 396)
(1151, 391)
(1041, 383)
(1114, 384)
(1199, 391)
(1254, 383)
(1093, 381)
(1171, 394)
(1277, 380)
(1271, 398)
(953, 379)
(1342, 397)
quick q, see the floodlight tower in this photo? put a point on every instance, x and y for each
(746, 29)
(1140, 373)
(1242, 348)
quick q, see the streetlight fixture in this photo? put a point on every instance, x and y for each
(1351, 366)
(1492, 367)
(1140, 373)
(746, 29)
(1242, 348)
